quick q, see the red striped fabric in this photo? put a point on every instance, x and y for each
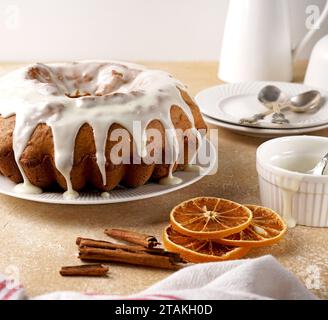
(7, 292)
(3, 285)
(10, 293)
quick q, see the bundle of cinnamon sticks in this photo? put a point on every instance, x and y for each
(141, 251)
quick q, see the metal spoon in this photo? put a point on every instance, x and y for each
(272, 97)
(269, 96)
(300, 103)
(319, 169)
(305, 101)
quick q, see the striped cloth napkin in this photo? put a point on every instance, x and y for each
(260, 278)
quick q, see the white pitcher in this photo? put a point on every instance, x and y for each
(257, 41)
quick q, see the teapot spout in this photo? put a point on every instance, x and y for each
(308, 36)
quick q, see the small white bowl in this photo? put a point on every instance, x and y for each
(284, 190)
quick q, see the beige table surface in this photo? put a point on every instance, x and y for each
(37, 239)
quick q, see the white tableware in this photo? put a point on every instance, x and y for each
(299, 197)
(262, 132)
(257, 43)
(231, 102)
(148, 190)
(316, 73)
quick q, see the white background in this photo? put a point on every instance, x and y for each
(123, 29)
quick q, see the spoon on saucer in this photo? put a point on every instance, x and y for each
(305, 101)
(272, 97)
(319, 169)
(300, 103)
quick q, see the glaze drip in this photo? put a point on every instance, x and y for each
(65, 96)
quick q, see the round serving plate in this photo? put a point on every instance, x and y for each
(231, 102)
(261, 132)
(120, 194)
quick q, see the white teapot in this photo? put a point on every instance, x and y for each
(257, 43)
(317, 71)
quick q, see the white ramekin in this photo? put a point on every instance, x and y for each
(310, 202)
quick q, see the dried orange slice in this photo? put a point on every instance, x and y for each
(266, 228)
(194, 250)
(209, 218)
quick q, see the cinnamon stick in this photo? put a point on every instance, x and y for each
(141, 239)
(91, 243)
(94, 270)
(86, 242)
(167, 260)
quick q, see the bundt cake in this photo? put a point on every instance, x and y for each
(58, 124)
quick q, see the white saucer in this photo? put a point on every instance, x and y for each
(148, 190)
(231, 102)
(262, 132)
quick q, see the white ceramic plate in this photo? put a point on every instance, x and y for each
(120, 194)
(231, 102)
(261, 132)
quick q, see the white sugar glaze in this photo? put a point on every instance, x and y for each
(67, 95)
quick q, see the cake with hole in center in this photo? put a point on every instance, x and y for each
(59, 122)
